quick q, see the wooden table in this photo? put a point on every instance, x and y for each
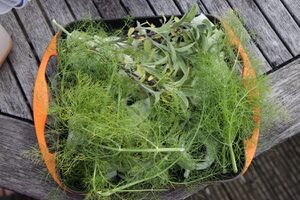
(277, 43)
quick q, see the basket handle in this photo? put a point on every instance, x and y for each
(40, 109)
(248, 72)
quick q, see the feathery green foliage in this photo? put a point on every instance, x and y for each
(149, 110)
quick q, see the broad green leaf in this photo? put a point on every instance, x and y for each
(187, 17)
(147, 45)
(151, 70)
(159, 45)
(140, 110)
(183, 98)
(191, 14)
(161, 61)
(181, 65)
(186, 162)
(154, 93)
(141, 72)
(130, 32)
(185, 48)
(183, 79)
(209, 157)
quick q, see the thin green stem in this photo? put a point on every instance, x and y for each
(233, 161)
(121, 188)
(60, 27)
(94, 177)
(156, 150)
(144, 190)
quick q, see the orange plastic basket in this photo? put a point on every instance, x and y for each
(41, 104)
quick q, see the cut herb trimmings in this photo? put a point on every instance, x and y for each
(150, 108)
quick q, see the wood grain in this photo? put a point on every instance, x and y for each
(294, 7)
(217, 7)
(83, 9)
(185, 5)
(110, 9)
(167, 7)
(36, 27)
(21, 57)
(265, 36)
(220, 8)
(285, 92)
(283, 22)
(37, 24)
(212, 193)
(17, 172)
(11, 99)
(137, 8)
(57, 10)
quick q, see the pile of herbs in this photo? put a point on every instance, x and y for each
(150, 109)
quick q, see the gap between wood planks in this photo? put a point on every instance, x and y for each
(29, 121)
(268, 40)
(218, 8)
(264, 56)
(283, 64)
(287, 33)
(293, 7)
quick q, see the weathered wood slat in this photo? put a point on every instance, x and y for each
(217, 192)
(16, 171)
(21, 57)
(11, 99)
(294, 148)
(83, 9)
(110, 9)
(38, 26)
(285, 91)
(266, 38)
(185, 5)
(239, 191)
(269, 170)
(291, 181)
(294, 7)
(219, 8)
(62, 14)
(38, 31)
(137, 8)
(279, 185)
(283, 22)
(291, 150)
(167, 7)
(253, 181)
(292, 157)
(57, 10)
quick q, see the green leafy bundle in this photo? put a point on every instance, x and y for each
(146, 111)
